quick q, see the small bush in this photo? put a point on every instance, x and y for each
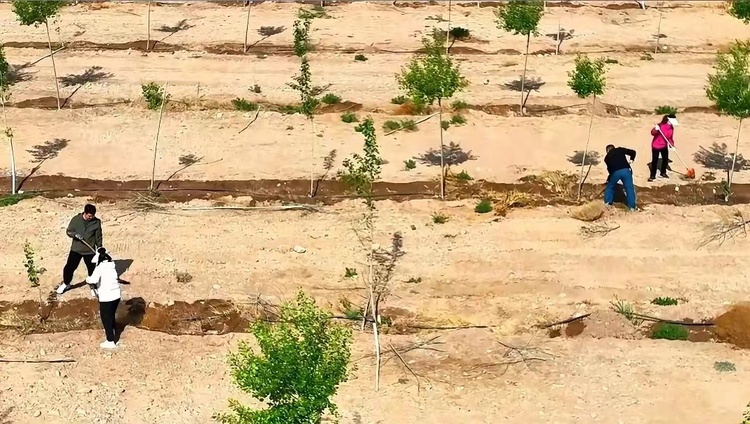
(183, 277)
(409, 125)
(399, 100)
(288, 109)
(244, 105)
(12, 199)
(458, 120)
(445, 124)
(459, 105)
(724, 366)
(439, 218)
(349, 117)
(667, 331)
(647, 56)
(463, 176)
(391, 125)
(664, 301)
(410, 164)
(484, 206)
(665, 110)
(360, 57)
(350, 273)
(330, 99)
(611, 61)
(460, 33)
(153, 95)
(256, 89)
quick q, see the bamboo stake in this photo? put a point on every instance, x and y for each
(312, 157)
(734, 161)
(9, 134)
(448, 33)
(158, 130)
(442, 150)
(148, 27)
(54, 68)
(247, 27)
(374, 312)
(586, 150)
(557, 40)
(658, 34)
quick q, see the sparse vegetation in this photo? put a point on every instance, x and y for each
(399, 100)
(740, 9)
(667, 331)
(484, 206)
(350, 273)
(12, 199)
(610, 61)
(349, 117)
(408, 125)
(725, 366)
(33, 271)
(664, 301)
(317, 12)
(463, 176)
(409, 164)
(154, 95)
(182, 277)
(359, 57)
(391, 125)
(459, 105)
(244, 105)
(665, 110)
(330, 99)
(439, 218)
(718, 157)
(647, 56)
(458, 120)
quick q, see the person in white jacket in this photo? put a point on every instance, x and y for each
(107, 284)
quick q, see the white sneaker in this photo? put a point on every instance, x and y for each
(62, 288)
(107, 345)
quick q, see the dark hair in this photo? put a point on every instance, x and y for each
(104, 256)
(89, 209)
(609, 146)
(665, 119)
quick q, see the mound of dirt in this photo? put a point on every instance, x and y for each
(609, 324)
(589, 212)
(734, 326)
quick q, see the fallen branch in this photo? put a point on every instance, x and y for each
(729, 226)
(668, 321)
(28, 65)
(197, 162)
(600, 230)
(419, 386)
(38, 361)
(255, 118)
(416, 123)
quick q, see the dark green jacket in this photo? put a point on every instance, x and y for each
(91, 231)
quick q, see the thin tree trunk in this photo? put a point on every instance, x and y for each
(525, 64)
(312, 157)
(557, 40)
(148, 27)
(658, 34)
(158, 130)
(9, 134)
(734, 161)
(448, 33)
(54, 68)
(247, 27)
(373, 304)
(442, 150)
(586, 150)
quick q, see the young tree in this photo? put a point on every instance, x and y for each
(35, 13)
(164, 98)
(729, 88)
(302, 82)
(429, 77)
(587, 79)
(5, 75)
(302, 361)
(740, 9)
(521, 17)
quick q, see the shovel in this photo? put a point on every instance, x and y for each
(689, 172)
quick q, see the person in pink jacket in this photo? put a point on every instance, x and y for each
(663, 139)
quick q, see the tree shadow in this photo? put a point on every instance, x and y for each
(658, 165)
(18, 73)
(185, 162)
(42, 153)
(92, 74)
(328, 163)
(718, 157)
(592, 158)
(529, 85)
(129, 313)
(267, 32)
(122, 266)
(171, 30)
(452, 155)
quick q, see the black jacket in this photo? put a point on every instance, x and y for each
(91, 231)
(616, 159)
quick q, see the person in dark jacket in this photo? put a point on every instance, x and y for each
(619, 169)
(86, 231)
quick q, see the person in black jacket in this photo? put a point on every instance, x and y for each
(86, 231)
(619, 169)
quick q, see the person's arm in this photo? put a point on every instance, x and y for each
(99, 236)
(631, 153)
(94, 278)
(71, 232)
(655, 130)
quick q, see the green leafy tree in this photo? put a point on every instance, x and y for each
(36, 13)
(432, 77)
(521, 17)
(361, 171)
(729, 88)
(302, 361)
(302, 37)
(5, 83)
(740, 9)
(588, 79)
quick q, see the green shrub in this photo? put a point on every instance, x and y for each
(439, 218)
(288, 109)
(463, 176)
(484, 206)
(459, 105)
(664, 301)
(13, 199)
(445, 124)
(349, 117)
(409, 125)
(350, 273)
(330, 99)
(665, 110)
(460, 33)
(391, 125)
(244, 105)
(410, 164)
(360, 57)
(153, 95)
(399, 100)
(458, 120)
(667, 331)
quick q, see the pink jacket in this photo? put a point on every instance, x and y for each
(658, 141)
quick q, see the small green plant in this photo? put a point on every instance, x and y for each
(664, 301)
(647, 56)
(410, 164)
(740, 9)
(359, 57)
(391, 125)
(349, 117)
(301, 361)
(399, 100)
(289, 110)
(317, 11)
(463, 176)
(350, 310)
(350, 272)
(33, 272)
(330, 99)
(458, 120)
(665, 110)
(153, 95)
(183, 277)
(301, 33)
(445, 124)
(256, 89)
(484, 206)
(724, 366)
(439, 218)
(626, 310)
(459, 105)
(13, 199)
(408, 125)
(667, 331)
(413, 280)
(244, 105)
(361, 171)
(610, 61)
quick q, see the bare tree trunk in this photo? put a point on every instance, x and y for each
(247, 27)
(525, 64)
(586, 150)
(373, 304)
(658, 34)
(312, 157)
(448, 33)
(9, 134)
(734, 162)
(158, 130)
(442, 149)
(148, 27)
(54, 68)
(558, 42)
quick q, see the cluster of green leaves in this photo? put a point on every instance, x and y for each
(302, 83)
(668, 331)
(729, 87)
(302, 361)
(4, 72)
(520, 16)
(153, 95)
(244, 105)
(664, 301)
(665, 110)
(33, 272)
(30, 12)
(588, 78)
(431, 76)
(302, 37)
(361, 171)
(740, 9)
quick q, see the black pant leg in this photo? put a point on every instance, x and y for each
(664, 160)
(74, 259)
(654, 162)
(88, 260)
(107, 310)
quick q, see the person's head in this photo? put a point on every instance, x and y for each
(670, 119)
(89, 212)
(610, 147)
(103, 256)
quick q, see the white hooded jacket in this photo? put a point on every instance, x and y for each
(106, 280)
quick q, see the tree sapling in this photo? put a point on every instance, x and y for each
(5, 73)
(587, 79)
(729, 88)
(36, 13)
(521, 17)
(429, 77)
(164, 98)
(33, 272)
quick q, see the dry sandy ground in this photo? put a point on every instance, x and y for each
(532, 267)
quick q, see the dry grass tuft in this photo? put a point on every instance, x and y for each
(511, 199)
(589, 212)
(561, 184)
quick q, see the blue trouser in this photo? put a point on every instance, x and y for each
(626, 176)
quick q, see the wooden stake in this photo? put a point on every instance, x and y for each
(374, 312)
(442, 150)
(247, 27)
(658, 34)
(148, 27)
(557, 40)
(448, 33)
(312, 157)
(525, 64)
(158, 130)
(8, 133)
(734, 161)
(586, 150)
(54, 68)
